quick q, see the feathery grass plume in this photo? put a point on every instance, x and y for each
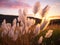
(37, 30)
(11, 33)
(3, 24)
(44, 23)
(14, 24)
(25, 12)
(15, 36)
(21, 27)
(49, 34)
(28, 22)
(4, 21)
(45, 10)
(18, 19)
(36, 7)
(21, 24)
(40, 40)
(24, 20)
(20, 13)
(17, 25)
(22, 17)
(9, 26)
(14, 21)
(4, 27)
(25, 17)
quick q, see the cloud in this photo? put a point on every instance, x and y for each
(13, 4)
(57, 4)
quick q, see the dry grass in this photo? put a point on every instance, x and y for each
(27, 38)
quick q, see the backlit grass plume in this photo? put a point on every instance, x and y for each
(36, 7)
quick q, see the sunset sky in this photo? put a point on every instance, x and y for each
(11, 7)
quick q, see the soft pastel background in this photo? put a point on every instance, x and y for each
(11, 7)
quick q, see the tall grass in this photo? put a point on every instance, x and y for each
(25, 32)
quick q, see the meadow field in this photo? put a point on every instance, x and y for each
(31, 39)
(34, 30)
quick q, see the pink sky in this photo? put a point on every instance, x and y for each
(12, 6)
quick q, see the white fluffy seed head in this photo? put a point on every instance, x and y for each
(18, 19)
(36, 7)
(14, 38)
(49, 34)
(14, 21)
(17, 24)
(8, 26)
(37, 29)
(11, 33)
(40, 40)
(4, 21)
